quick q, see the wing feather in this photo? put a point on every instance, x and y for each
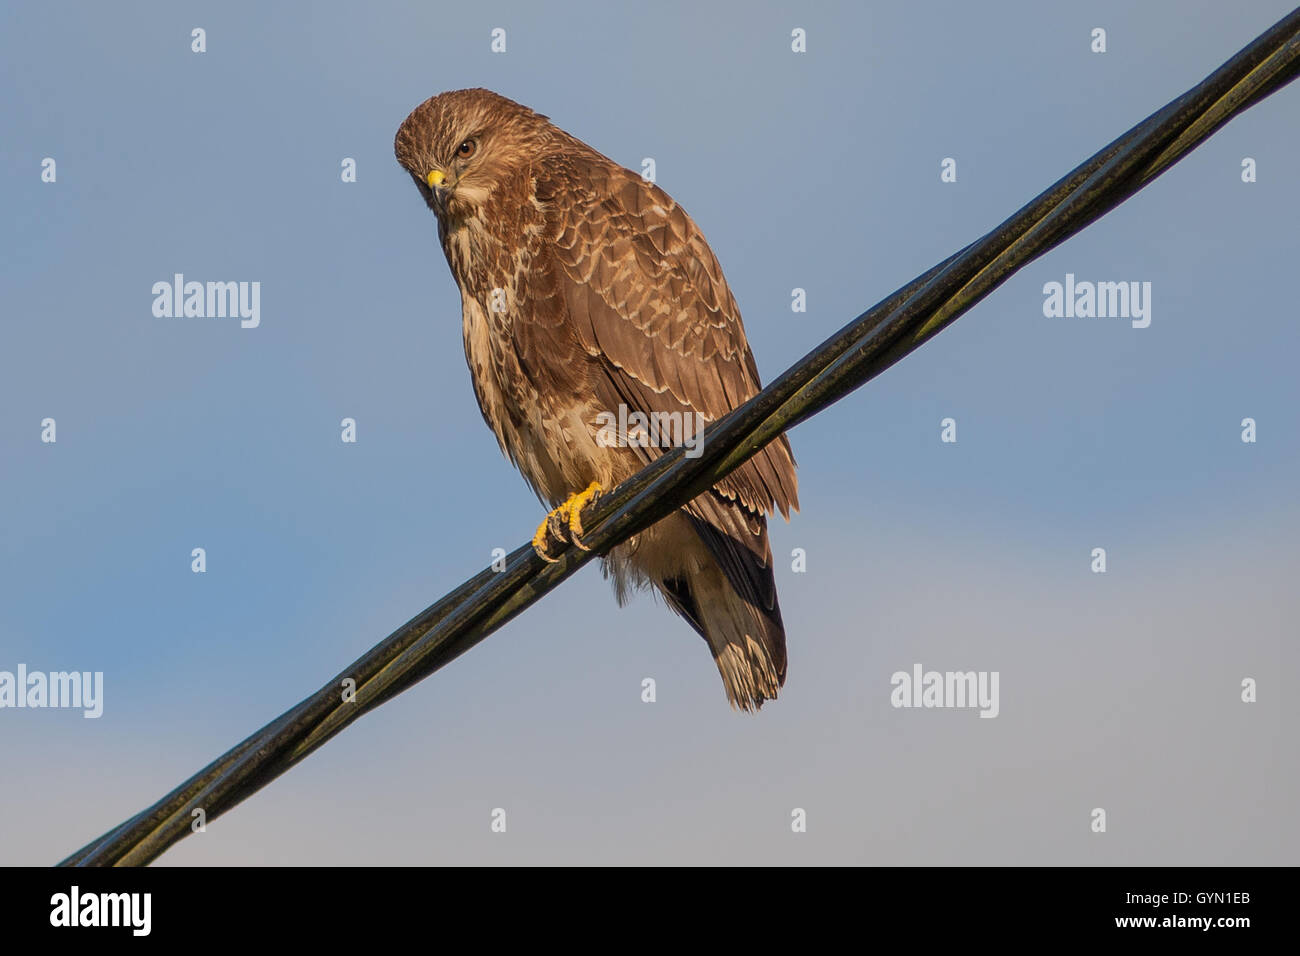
(646, 293)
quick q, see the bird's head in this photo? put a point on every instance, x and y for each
(462, 146)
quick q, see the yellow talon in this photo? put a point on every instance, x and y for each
(575, 504)
(567, 515)
(539, 540)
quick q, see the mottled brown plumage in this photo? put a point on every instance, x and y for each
(583, 288)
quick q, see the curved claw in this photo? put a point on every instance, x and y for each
(563, 525)
(542, 539)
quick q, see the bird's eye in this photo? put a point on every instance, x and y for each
(466, 149)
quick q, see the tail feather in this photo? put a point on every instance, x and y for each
(748, 644)
(747, 640)
(713, 566)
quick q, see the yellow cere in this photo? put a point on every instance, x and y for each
(436, 177)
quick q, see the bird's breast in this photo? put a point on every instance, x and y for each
(526, 424)
(543, 430)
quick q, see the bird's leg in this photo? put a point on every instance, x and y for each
(564, 523)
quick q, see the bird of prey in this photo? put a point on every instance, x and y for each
(588, 295)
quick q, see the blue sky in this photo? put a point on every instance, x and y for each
(817, 170)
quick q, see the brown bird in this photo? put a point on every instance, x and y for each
(596, 318)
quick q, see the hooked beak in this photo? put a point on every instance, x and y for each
(440, 186)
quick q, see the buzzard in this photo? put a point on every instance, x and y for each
(589, 295)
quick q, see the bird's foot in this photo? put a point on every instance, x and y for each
(576, 504)
(564, 524)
